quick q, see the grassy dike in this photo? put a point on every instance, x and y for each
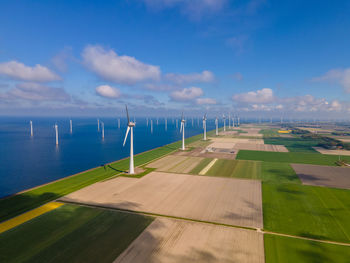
(22, 202)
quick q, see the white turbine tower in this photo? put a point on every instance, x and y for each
(224, 118)
(182, 128)
(118, 123)
(205, 127)
(56, 130)
(238, 121)
(70, 126)
(229, 120)
(103, 130)
(216, 125)
(98, 125)
(176, 124)
(151, 126)
(31, 128)
(166, 123)
(233, 121)
(131, 129)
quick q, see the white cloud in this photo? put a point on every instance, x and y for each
(257, 97)
(108, 92)
(203, 77)
(35, 92)
(205, 101)
(119, 69)
(339, 76)
(238, 43)
(186, 94)
(19, 71)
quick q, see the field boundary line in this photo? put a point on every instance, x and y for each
(209, 165)
(307, 238)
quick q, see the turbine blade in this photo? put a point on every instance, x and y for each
(127, 113)
(182, 115)
(126, 135)
(181, 126)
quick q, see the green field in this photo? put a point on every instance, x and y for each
(291, 250)
(265, 171)
(72, 234)
(17, 204)
(290, 157)
(308, 211)
(201, 166)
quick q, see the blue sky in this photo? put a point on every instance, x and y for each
(255, 57)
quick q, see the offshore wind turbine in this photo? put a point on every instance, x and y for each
(166, 123)
(147, 121)
(192, 121)
(233, 122)
(118, 123)
(216, 126)
(70, 126)
(56, 130)
(205, 127)
(31, 128)
(103, 130)
(130, 128)
(151, 126)
(176, 123)
(238, 121)
(182, 128)
(98, 125)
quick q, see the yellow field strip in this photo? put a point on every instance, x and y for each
(11, 223)
(206, 169)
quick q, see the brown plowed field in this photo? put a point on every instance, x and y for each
(176, 163)
(221, 200)
(338, 177)
(169, 240)
(260, 147)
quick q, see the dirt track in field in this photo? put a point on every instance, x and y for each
(220, 200)
(176, 163)
(333, 152)
(338, 177)
(169, 240)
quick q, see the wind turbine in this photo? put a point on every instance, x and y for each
(56, 130)
(31, 128)
(98, 125)
(182, 128)
(224, 118)
(217, 128)
(151, 126)
(229, 120)
(118, 123)
(147, 121)
(238, 121)
(70, 126)
(192, 121)
(233, 121)
(130, 128)
(103, 130)
(205, 127)
(176, 123)
(166, 123)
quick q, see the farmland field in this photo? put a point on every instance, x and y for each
(338, 177)
(295, 144)
(169, 240)
(309, 211)
(290, 157)
(265, 171)
(205, 198)
(291, 250)
(72, 234)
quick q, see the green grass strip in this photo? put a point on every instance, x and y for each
(291, 157)
(201, 166)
